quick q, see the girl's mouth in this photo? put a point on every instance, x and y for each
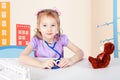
(49, 33)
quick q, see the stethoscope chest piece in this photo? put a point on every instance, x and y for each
(57, 62)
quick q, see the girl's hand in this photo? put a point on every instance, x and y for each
(65, 62)
(48, 64)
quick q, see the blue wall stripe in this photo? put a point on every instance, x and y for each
(115, 32)
(12, 46)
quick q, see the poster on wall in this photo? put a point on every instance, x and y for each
(22, 33)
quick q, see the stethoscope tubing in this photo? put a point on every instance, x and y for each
(54, 50)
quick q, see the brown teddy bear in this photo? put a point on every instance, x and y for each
(103, 59)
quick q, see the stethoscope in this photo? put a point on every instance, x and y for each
(56, 60)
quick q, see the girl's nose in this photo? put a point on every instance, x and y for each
(49, 29)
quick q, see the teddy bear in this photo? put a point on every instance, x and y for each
(103, 59)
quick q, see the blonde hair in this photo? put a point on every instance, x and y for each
(51, 13)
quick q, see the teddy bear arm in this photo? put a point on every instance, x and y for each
(100, 56)
(93, 62)
(105, 61)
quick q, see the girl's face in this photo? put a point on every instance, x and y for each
(48, 27)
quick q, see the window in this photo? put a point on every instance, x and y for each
(19, 32)
(27, 42)
(19, 43)
(3, 23)
(23, 32)
(3, 41)
(20, 37)
(3, 32)
(26, 32)
(23, 37)
(3, 5)
(3, 14)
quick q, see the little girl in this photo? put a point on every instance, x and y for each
(48, 42)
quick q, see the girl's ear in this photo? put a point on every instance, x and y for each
(57, 32)
(38, 27)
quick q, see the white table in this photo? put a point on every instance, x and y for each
(79, 71)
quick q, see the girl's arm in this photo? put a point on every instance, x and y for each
(78, 52)
(65, 62)
(26, 59)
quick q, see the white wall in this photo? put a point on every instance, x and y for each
(102, 12)
(75, 19)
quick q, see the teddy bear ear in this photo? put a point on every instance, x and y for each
(113, 47)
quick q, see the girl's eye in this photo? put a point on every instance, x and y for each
(44, 25)
(52, 25)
